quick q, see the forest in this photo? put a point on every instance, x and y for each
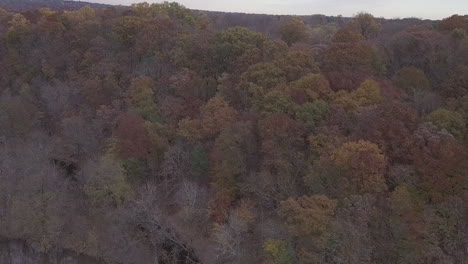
(158, 134)
(54, 5)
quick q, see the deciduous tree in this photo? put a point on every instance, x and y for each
(126, 30)
(453, 122)
(258, 80)
(296, 64)
(457, 83)
(440, 160)
(411, 80)
(312, 87)
(308, 215)
(279, 252)
(142, 97)
(293, 30)
(105, 182)
(216, 115)
(390, 125)
(132, 137)
(366, 25)
(453, 22)
(367, 94)
(312, 113)
(236, 49)
(230, 157)
(364, 166)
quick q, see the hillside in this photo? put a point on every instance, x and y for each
(159, 134)
(57, 5)
(267, 24)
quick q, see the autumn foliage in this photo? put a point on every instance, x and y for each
(158, 134)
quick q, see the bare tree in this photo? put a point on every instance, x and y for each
(175, 167)
(79, 139)
(151, 220)
(34, 193)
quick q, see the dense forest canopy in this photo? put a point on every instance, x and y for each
(56, 5)
(157, 134)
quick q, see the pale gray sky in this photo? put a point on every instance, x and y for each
(433, 9)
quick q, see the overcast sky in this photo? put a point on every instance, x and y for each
(433, 9)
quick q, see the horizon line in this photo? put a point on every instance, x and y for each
(275, 14)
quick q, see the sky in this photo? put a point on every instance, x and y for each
(430, 9)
